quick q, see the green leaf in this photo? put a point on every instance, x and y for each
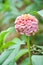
(11, 56)
(12, 63)
(19, 4)
(40, 13)
(18, 41)
(6, 45)
(25, 62)
(37, 59)
(4, 34)
(21, 53)
(32, 7)
(15, 46)
(5, 55)
(38, 16)
(10, 43)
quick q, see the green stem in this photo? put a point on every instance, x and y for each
(28, 45)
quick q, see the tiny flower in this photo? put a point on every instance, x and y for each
(26, 24)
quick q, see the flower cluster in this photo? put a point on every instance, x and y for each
(26, 24)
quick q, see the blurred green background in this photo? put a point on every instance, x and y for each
(10, 9)
(13, 48)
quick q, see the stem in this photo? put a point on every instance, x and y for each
(28, 45)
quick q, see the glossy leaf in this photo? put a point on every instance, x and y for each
(18, 41)
(4, 55)
(12, 63)
(37, 60)
(11, 56)
(40, 13)
(21, 53)
(4, 34)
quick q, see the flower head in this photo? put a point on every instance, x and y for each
(26, 24)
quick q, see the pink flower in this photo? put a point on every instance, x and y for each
(26, 24)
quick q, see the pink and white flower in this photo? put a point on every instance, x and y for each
(26, 24)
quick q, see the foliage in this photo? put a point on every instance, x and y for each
(15, 49)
